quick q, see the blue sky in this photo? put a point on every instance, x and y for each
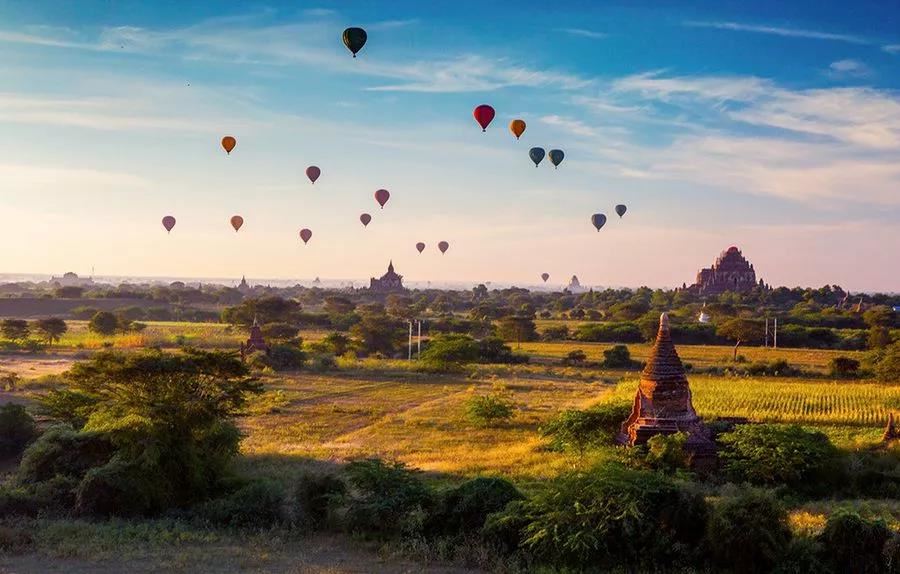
(773, 127)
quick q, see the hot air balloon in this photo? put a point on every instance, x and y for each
(621, 209)
(420, 246)
(237, 221)
(536, 154)
(599, 220)
(168, 222)
(517, 127)
(484, 114)
(556, 156)
(382, 196)
(313, 173)
(228, 142)
(443, 246)
(365, 218)
(305, 234)
(355, 39)
(545, 276)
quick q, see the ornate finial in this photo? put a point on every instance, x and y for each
(391, 266)
(664, 322)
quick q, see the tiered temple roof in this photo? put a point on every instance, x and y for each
(730, 272)
(662, 404)
(390, 281)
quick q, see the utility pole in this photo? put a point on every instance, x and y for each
(766, 343)
(409, 349)
(775, 346)
(419, 340)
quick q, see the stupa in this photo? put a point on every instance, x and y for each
(256, 342)
(662, 404)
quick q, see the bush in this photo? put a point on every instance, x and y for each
(666, 452)
(260, 504)
(119, 488)
(803, 556)
(843, 367)
(494, 350)
(279, 331)
(315, 496)
(489, 410)
(17, 429)
(284, 357)
(321, 363)
(748, 532)
(103, 323)
(887, 369)
(772, 455)
(626, 332)
(608, 517)
(617, 357)
(465, 508)
(66, 452)
(580, 430)
(854, 544)
(386, 499)
(560, 333)
(14, 540)
(576, 357)
(455, 349)
(18, 501)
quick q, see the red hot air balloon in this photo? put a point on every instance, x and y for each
(228, 143)
(168, 222)
(545, 276)
(484, 114)
(382, 196)
(313, 173)
(237, 221)
(420, 247)
(305, 235)
(443, 246)
(365, 218)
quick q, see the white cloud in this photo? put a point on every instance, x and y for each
(584, 33)
(654, 85)
(573, 126)
(848, 68)
(779, 31)
(891, 48)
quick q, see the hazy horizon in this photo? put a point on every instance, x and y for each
(774, 128)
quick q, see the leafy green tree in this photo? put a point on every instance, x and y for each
(617, 357)
(269, 309)
(517, 329)
(748, 532)
(741, 331)
(378, 333)
(451, 348)
(887, 369)
(280, 331)
(104, 323)
(69, 292)
(14, 329)
(580, 430)
(338, 305)
(489, 410)
(51, 329)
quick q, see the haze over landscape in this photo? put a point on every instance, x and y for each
(776, 130)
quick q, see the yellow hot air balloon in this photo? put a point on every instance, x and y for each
(517, 127)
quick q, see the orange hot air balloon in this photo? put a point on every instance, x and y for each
(517, 127)
(484, 115)
(168, 222)
(228, 142)
(420, 246)
(382, 196)
(313, 173)
(443, 246)
(365, 218)
(305, 235)
(237, 221)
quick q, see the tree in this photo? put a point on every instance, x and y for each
(378, 333)
(887, 369)
(70, 292)
(271, 309)
(337, 305)
(51, 328)
(399, 306)
(104, 323)
(741, 331)
(517, 329)
(279, 331)
(14, 329)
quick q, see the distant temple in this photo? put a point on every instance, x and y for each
(71, 280)
(574, 285)
(662, 404)
(243, 287)
(730, 272)
(390, 281)
(255, 342)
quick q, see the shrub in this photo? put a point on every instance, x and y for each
(576, 357)
(18, 501)
(843, 367)
(386, 499)
(64, 451)
(608, 517)
(489, 410)
(103, 323)
(666, 452)
(803, 556)
(771, 455)
(315, 495)
(494, 350)
(284, 357)
(609, 333)
(617, 357)
(854, 544)
(451, 349)
(279, 331)
(559, 333)
(321, 363)
(887, 369)
(748, 532)
(580, 430)
(892, 554)
(119, 487)
(14, 540)
(465, 508)
(17, 429)
(259, 504)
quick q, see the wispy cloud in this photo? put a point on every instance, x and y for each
(779, 31)
(848, 68)
(584, 33)
(891, 48)
(570, 125)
